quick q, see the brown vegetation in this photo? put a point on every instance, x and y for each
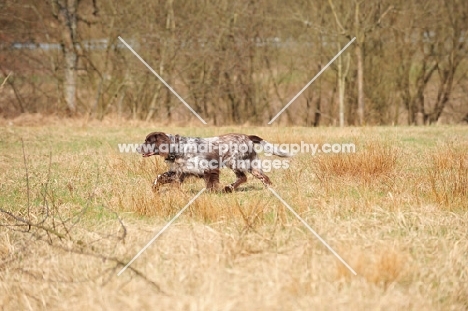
(237, 61)
(74, 211)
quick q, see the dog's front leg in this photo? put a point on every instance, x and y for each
(166, 178)
(211, 178)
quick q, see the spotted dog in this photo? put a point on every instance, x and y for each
(204, 157)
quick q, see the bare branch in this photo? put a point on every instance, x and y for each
(4, 81)
(337, 20)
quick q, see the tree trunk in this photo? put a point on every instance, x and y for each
(342, 74)
(70, 82)
(340, 90)
(444, 92)
(360, 85)
(318, 110)
(67, 17)
(419, 113)
(152, 107)
(360, 68)
(170, 51)
(418, 106)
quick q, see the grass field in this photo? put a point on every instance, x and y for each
(74, 211)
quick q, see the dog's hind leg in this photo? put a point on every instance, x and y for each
(241, 178)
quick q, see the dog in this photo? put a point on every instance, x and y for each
(204, 157)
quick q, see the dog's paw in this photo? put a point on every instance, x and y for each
(228, 189)
(155, 186)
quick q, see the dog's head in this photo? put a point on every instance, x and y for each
(156, 143)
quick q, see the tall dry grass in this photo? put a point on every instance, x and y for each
(375, 160)
(448, 177)
(395, 211)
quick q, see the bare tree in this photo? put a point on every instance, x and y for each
(238, 61)
(452, 48)
(66, 13)
(342, 73)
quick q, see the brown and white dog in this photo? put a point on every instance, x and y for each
(204, 157)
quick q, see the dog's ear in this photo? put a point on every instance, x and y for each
(255, 139)
(161, 141)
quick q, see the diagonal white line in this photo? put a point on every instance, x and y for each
(312, 230)
(162, 80)
(316, 76)
(161, 231)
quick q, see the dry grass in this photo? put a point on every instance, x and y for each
(374, 161)
(396, 211)
(448, 176)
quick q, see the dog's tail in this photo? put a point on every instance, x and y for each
(268, 147)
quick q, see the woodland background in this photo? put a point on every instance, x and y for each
(237, 62)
